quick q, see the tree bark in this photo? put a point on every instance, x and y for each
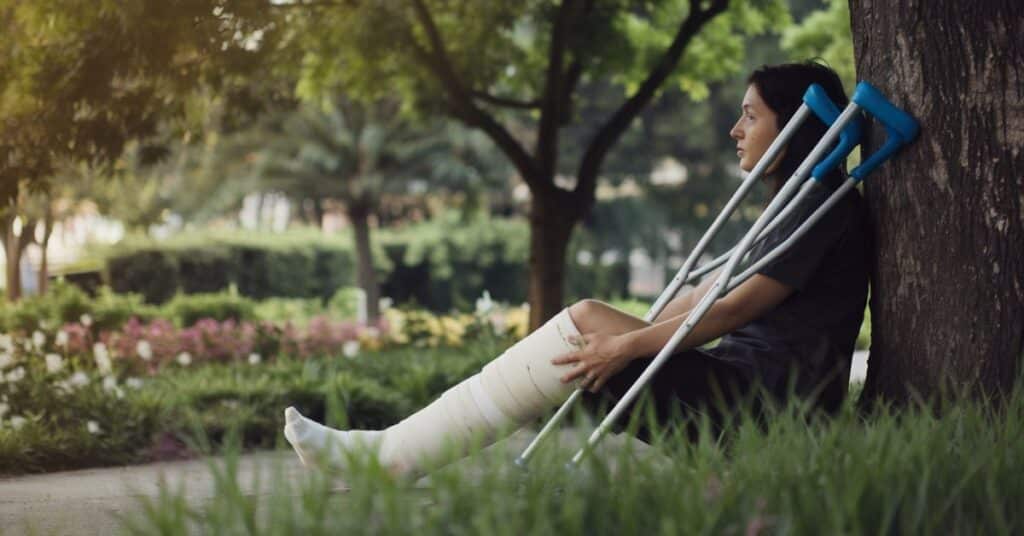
(366, 279)
(12, 256)
(14, 246)
(552, 219)
(44, 262)
(947, 301)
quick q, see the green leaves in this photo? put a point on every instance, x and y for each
(826, 34)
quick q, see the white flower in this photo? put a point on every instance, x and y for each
(254, 359)
(110, 386)
(4, 408)
(6, 343)
(16, 375)
(350, 348)
(38, 339)
(484, 304)
(63, 387)
(54, 363)
(61, 340)
(6, 360)
(144, 350)
(86, 320)
(499, 323)
(102, 357)
(184, 359)
(93, 427)
(134, 383)
(17, 421)
(79, 379)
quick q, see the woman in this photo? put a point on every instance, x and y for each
(789, 328)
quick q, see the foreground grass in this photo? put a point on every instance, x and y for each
(890, 473)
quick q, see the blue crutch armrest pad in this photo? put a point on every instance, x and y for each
(900, 127)
(818, 101)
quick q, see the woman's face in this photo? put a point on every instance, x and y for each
(755, 131)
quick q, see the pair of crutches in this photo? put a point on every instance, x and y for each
(847, 125)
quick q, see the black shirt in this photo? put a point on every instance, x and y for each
(809, 337)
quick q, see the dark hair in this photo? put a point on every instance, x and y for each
(782, 88)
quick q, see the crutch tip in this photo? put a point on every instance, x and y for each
(520, 462)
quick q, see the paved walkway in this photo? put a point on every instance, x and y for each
(89, 501)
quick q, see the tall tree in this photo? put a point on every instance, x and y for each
(947, 302)
(359, 153)
(79, 79)
(480, 62)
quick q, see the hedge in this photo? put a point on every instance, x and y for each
(438, 265)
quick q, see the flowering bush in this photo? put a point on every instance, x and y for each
(142, 346)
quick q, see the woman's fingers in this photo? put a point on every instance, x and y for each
(571, 357)
(575, 373)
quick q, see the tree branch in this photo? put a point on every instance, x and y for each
(552, 98)
(461, 102)
(620, 120)
(573, 75)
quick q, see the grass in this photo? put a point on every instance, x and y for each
(913, 471)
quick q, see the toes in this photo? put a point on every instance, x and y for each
(291, 414)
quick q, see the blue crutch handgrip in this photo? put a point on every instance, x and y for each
(899, 125)
(817, 100)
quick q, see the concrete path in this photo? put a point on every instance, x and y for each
(90, 501)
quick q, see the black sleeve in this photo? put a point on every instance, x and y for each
(796, 266)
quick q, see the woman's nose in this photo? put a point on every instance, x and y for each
(736, 133)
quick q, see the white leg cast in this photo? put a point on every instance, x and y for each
(516, 387)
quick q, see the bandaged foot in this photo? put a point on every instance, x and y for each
(322, 447)
(510, 391)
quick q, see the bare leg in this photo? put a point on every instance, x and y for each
(593, 316)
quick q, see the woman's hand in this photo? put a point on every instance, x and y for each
(601, 357)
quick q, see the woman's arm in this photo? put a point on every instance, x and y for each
(755, 297)
(689, 299)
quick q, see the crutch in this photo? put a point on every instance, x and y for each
(901, 128)
(814, 101)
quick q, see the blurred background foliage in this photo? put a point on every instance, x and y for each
(191, 137)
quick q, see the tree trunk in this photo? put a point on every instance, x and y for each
(44, 264)
(366, 279)
(947, 301)
(318, 212)
(14, 246)
(13, 272)
(552, 219)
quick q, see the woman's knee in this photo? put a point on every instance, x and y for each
(591, 316)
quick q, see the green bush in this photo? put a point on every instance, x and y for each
(216, 400)
(440, 265)
(186, 309)
(65, 303)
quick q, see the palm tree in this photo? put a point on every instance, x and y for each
(359, 153)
